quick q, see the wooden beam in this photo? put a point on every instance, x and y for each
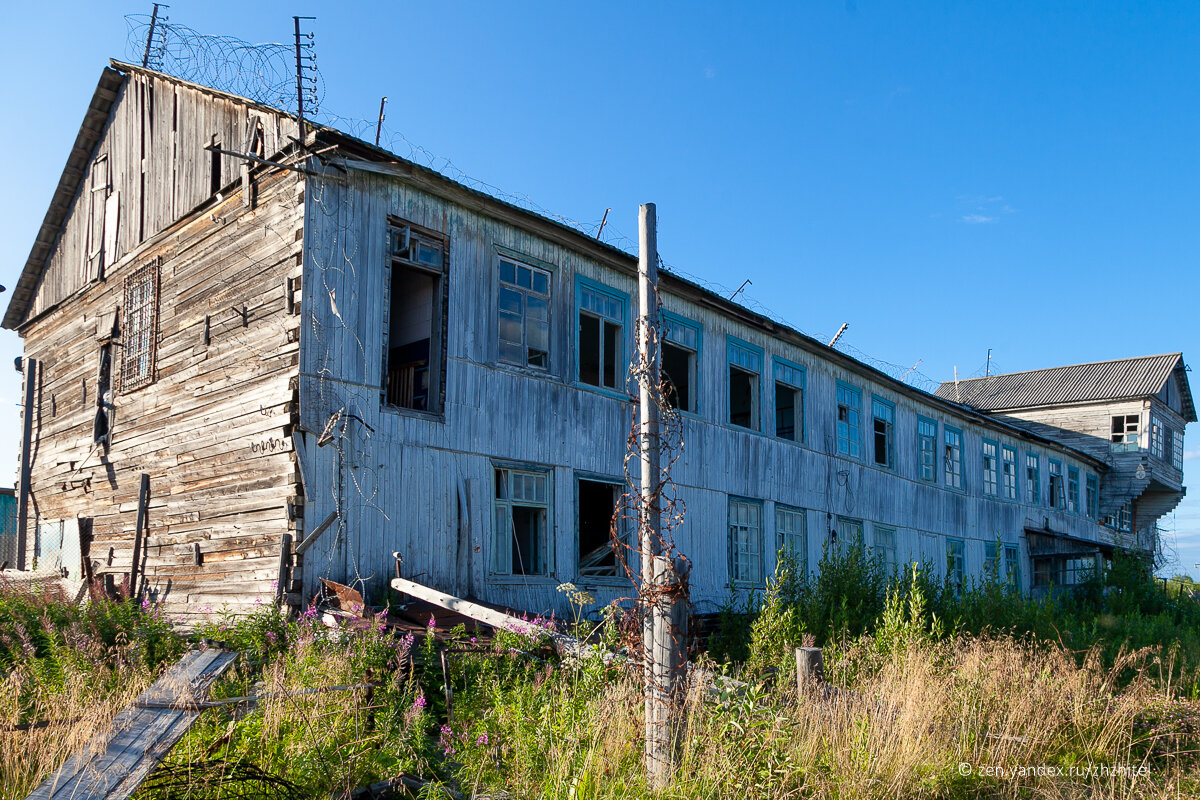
(309, 538)
(285, 564)
(139, 534)
(31, 370)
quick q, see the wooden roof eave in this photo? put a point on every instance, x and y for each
(90, 131)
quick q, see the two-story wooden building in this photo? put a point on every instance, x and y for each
(321, 353)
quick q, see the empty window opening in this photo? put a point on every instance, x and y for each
(883, 419)
(597, 545)
(1125, 429)
(214, 168)
(789, 401)
(413, 355)
(522, 509)
(102, 424)
(524, 315)
(599, 344)
(678, 369)
(743, 394)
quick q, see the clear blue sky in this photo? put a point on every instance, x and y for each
(946, 177)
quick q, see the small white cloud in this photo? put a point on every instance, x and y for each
(977, 219)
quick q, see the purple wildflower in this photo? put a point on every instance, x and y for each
(420, 702)
(483, 739)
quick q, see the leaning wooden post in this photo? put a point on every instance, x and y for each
(656, 571)
(139, 536)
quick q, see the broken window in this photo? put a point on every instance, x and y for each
(524, 314)
(97, 208)
(140, 329)
(745, 541)
(789, 400)
(1123, 520)
(521, 543)
(883, 415)
(991, 479)
(952, 457)
(791, 533)
(1058, 494)
(1033, 478)
(1012, 565)
(1125, 429)
(601, 313)
(214, 165)
(745, 369)
(680, 351)
(927, 449)
(1008, 460)
(102, 425)
(601, 532)
(849, 408)
(414, 350)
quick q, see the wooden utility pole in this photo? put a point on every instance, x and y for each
(663, 590)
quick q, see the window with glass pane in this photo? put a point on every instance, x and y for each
(140, 331)
(927, 450)
(1058, 492)
(1093, 497)
(524, 315)
(1124, 518)
(789, 401)
(849, 407)
(952, 458)
(883, 418)
(520, 544)
(601, 341)
(1008, 471)
(884, 544)
(991, 561)
(791, 533)
(745, 537)
(848, 533)
(680, 353)
(1125, 430)
(1033, 478)
(990, 469)
(1073, 490)
(745, 370)
(1012, 565)
(1156, 437)
(956, 564)
(1177, 449)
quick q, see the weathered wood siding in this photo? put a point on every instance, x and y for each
(213, 428)
(149, 169)
(423, 486)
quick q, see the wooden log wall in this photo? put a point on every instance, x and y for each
(213, 429)
(423, 485)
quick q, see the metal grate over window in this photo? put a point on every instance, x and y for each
(139, 332)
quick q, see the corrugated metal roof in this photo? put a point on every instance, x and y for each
(1080, 383)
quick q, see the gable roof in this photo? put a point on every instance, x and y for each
(90, 132)
(1120, 379)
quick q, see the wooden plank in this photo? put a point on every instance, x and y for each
(308, 540)
(113, 764)
(139, 535)
(31, 368)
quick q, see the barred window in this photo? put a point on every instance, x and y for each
(140, 329)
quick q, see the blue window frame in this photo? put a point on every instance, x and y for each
(883, 424)
(1073, 489)
(1033, 478)
(1058, 492)
(952, 457)
(599, 334)
(1093, 496)
(745, 541)
(681, 340)
(1008, 472)
(849, 424)
(524, 314)
(745, 362)
(991, 468)
(789, 400)
(956, 562)
(927, 433)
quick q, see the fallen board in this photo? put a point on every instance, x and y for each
(113, 764)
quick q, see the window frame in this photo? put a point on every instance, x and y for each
(956, 564)
(1035, 495)
(1012, 568)
(1009, 489)
(889, 432)
(135, 376)
(1126, 439)
(853, 446)
(734, 345)
(735, 579)
(547, 546)
(956, 481)
(626, 533)
(436, 397)
(781, 539)
(1062, 486)
(787, 374)
(857, 524)
(1073, 494)
(517, 260)
(991, 474)
(671, 321)
(885, 551)
(582, 285)
(1092, 496)
(933, 450)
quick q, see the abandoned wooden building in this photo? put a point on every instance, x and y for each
(320, 353)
